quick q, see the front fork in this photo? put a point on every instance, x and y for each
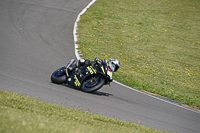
(68, 65)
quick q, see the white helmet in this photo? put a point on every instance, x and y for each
(114, 64)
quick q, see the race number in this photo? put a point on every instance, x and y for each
(76, 81)
(92, 70)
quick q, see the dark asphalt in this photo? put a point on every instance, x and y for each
(36, 38)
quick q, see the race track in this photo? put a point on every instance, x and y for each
(36, 38)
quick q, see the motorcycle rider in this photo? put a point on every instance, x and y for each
(113, 64)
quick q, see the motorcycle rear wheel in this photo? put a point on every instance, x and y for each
(58, 77)
(93, 84)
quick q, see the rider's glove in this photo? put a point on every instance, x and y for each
(98, 60)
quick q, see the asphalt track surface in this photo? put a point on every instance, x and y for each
(36, 38)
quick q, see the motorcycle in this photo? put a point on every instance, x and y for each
(89, 77)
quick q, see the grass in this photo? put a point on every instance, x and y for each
(20, 114)
(157, 43)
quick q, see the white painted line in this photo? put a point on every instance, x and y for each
(154, 96)
(78, 57)
(75, 27)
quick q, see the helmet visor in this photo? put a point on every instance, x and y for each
(116, 68)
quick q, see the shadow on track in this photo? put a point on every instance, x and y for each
(99, 93)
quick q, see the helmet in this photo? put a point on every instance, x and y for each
(114, 64)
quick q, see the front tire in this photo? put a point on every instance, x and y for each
(93, 84)
(58, 77)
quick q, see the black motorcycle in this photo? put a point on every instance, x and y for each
(88, 77)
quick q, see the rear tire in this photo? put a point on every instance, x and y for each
(58, 77)
(87, 87)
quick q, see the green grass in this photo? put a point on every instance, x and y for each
(20, 114)
(156, 41)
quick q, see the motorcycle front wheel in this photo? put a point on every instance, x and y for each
(58, 77)
(93, 84)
